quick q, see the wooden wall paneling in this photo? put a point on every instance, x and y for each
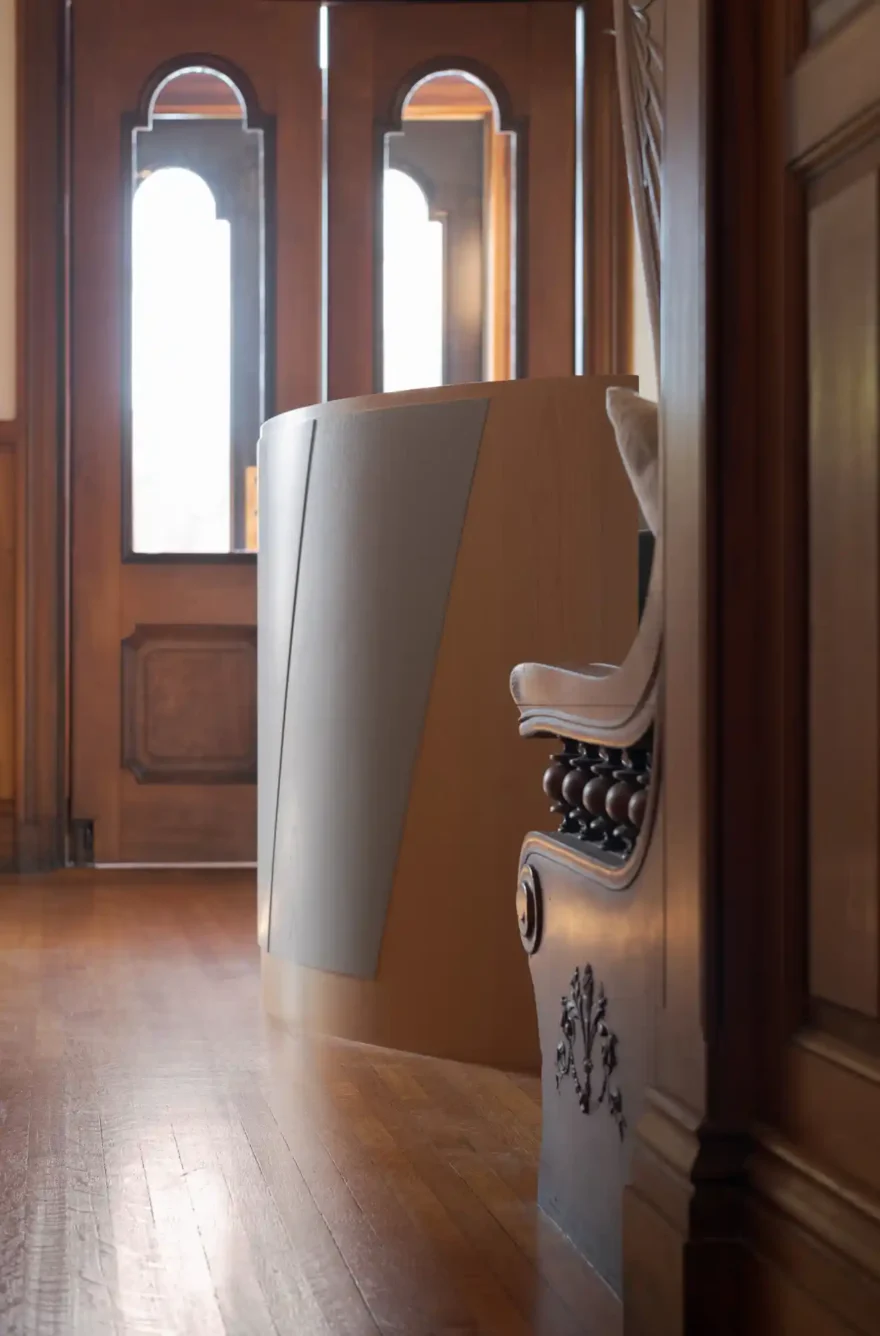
(844, 305)
(189, 704)
(825, 110)
(609, 240)
(826, 15)
(830, 1101)
(40, 787)
(812, 1202)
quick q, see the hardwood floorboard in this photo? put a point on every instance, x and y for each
(172, 1163)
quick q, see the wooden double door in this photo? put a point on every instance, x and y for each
(198, 162)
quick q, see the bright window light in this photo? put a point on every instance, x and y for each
(412, 328)
(181, 366)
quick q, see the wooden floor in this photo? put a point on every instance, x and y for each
(172, 1162)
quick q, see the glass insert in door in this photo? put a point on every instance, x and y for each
(197, 317)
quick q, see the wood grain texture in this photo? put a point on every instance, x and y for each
(844, 314)
(825, 111)
(527, 52)
(681, 1053)
(523, 586)
(824, 1234)
(585, 923)
(7, 625)
(189, 704)
(548, 248)
(826, 15)
(40, 529)
(812, 1206)
(173, 1163)
(116, 55)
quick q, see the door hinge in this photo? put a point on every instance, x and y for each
(82, 842)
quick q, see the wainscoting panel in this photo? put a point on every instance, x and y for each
(189, 704)
(844, 239)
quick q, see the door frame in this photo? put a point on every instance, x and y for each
(42, 455)
(41, 431)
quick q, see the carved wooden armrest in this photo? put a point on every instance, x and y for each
(599, 703)
(599, 783)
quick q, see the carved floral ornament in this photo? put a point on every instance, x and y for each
(586, 1040)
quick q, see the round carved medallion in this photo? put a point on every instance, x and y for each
(529, 908)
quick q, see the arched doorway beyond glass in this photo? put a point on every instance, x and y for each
(181, 366)
(195, 376)
(451, 145)
(413, 273)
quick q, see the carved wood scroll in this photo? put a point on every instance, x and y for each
(584, 1027)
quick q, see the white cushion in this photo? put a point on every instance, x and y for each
(635, 424)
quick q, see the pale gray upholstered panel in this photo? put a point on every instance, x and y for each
(284, 471)
(387, 498)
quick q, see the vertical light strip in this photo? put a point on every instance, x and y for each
(579, 219)
(299, 553)
(324, 66)
(516, 369)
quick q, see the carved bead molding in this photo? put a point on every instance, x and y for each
(583, 1026)
(601, 795)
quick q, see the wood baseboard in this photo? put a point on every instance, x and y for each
(722, 1234)
(814, 1234)
(39, 846)
(684, 1254)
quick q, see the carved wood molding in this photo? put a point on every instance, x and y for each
(601, 795)
(700, 1191)
(833, 1217)
(189, 704)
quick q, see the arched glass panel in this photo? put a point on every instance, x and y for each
(181, 366)
(196, 375)
(451, 142)
(413, 287)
